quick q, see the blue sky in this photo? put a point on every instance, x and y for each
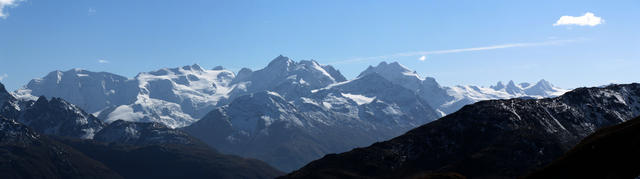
(464, 42)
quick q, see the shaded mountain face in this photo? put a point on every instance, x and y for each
(606, 153)
(60, 118)
(26, 154)
(288, 134)
(496, 138)
(143, 133)
(51, 117)
(9, 105)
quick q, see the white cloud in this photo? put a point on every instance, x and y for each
(460, 50)
(588, 19)
(3, 76)
(103, 61)
(422, 58)
(7, 4)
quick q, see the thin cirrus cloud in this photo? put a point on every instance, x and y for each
(103, 61)
(423, 54)
(588, 19)
(5, 4)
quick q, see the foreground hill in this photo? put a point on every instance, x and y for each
(608, 153)
(497, 138)
(171, 161)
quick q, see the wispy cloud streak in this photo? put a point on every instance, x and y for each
(460, 50)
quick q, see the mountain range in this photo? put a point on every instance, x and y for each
(180, 96)
(287, 114)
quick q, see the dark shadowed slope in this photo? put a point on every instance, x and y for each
(497, 138)
(172, 161)
(609, 153)
(153, 150)
(26, 154)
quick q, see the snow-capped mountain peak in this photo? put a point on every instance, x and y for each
(281, 62)
(287, 77)
(544, 88)
(391, 71)
(397, 73)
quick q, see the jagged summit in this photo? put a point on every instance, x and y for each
(143, 133)
(280, 62)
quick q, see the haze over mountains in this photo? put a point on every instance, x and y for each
(287, 114)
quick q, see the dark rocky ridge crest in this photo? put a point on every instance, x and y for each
(143, 133)
(60, 118)
(26, 154)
